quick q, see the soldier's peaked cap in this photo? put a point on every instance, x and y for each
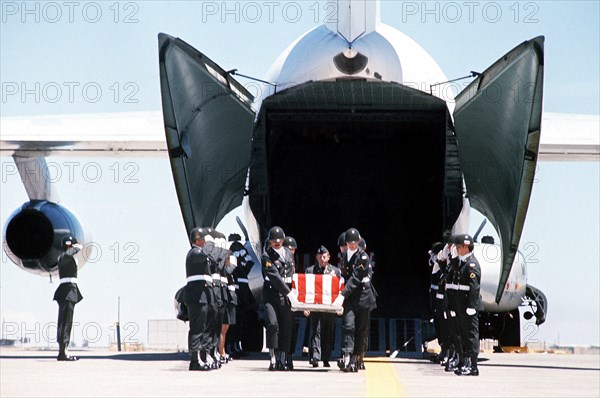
(322, 250)
(68, 241)
(463, 240)
(436, 247)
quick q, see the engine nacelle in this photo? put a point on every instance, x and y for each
(33, 235)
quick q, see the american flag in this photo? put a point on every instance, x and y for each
(316, 292)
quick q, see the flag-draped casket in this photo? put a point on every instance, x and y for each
(317, 292)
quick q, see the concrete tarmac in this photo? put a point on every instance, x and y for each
(25, 373)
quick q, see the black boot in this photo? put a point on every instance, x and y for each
(464, 369)
(360, 363)
(289, 363)
(452, 363)
(473, 370)
(351, 366)
(272, 359)
(343, 362)
(280, 361)
(62, 353)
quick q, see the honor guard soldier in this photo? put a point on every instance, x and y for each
(290, 244)
(67, 295)
(245, 299)
(277, 269)
(322, 323)
(341, 242)
(358, 299)
(199, 300)
(219, 257)
(229, 294)
(466, 283)
(436, 297)
(450, 256)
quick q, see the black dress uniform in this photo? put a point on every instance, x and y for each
(452, 320)
(245, 299)
(67, 295)
(322, 323)
(199, 299)
(277, 270)
(359, 300)
(437, 295)
(467, 281)
(217, 257)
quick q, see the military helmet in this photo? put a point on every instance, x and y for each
(290, 242)
(342, 239)
(197, 234)
(362, 243)
(67, 241)
(352, 235)
(276, 233)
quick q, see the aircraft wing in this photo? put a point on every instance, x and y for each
(208, 125)
(498, 120)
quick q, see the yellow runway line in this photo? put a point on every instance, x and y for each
(382, 380)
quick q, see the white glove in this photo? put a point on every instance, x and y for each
(339, 301)
(471, 311)
(453, 251)
(233, 260)
(443, 254)
(293, 296)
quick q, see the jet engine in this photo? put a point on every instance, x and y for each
(33, 234)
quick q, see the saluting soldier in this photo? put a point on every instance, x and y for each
(245, 300)
(198, 297)
(467, 282)
(450, 255)
(67, 295)
(277, 269)
(358, 299)
(436, 297)
(322, 323)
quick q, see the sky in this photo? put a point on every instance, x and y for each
(90, 57)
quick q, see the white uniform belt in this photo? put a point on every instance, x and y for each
(453, 286)
(231, 287)
(434, 287)
(439, 296)
(243, 280)
(223, 279)
(193, 278)
(366, 279)
(285, 280)
(216, 277)
(237, 286)
(67, 280)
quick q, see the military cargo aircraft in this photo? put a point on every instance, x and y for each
(352, 130)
